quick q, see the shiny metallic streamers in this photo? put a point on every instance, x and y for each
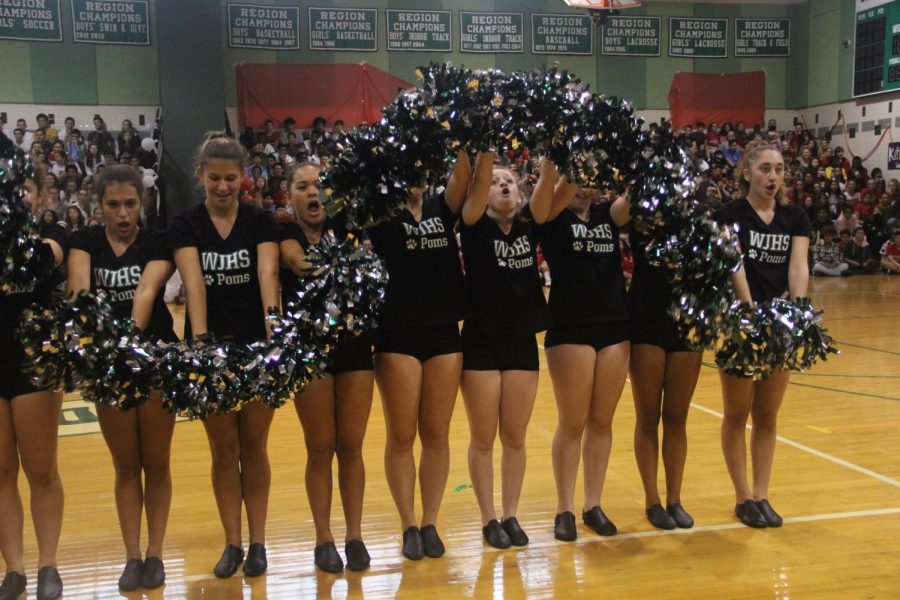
(63, 344)
(774, 335)
(202, 377)
(26, 260)
(126, 372)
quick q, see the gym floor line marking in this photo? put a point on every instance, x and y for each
(840, 343)
(813, 451)
(822, 387)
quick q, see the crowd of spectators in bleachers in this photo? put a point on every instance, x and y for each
(853, 211)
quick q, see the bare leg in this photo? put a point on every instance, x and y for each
(353, 396)
(648, 371)
(157, 426)
(224, 445)
(254, 421)
(440, 384)
(572, 371)
(609, 379)
(481, 393)
(12, 519)
(120, 430)
(682, 371)
(399, 378)
(516, 404)
(36, 422)
(737, 396)
(315, 407)
(767, 399)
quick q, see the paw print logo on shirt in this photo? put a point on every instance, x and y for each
(501, 262)
(411, 244)
(752, 253)
(577, 246)
(208, 278)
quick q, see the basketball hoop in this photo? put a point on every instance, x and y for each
(603, 4)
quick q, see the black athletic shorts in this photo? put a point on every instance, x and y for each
(661, 333)
(596, 335)
(499, 353)
(352, 355)
(13, 382)
(421, 343)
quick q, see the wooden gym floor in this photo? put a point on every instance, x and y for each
(836, 482)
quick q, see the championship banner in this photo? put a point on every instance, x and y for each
(344, 29)
(37, 21)
(263, 27)
(631, 36)
(419, 30)
(562, 34)
(698, 38)
(119, 22)
(491, 32)
(761, 38)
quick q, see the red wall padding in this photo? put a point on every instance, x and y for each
(719, 97)
(354, 93)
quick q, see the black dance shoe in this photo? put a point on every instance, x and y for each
(514, 531)
(13, 586)
(227, 566)
(681, 516)
(773, 519)
(434, 547)
(597, 520)
(327, 558)
(564, 527)
(154, 574)
(413, 549)
(49, 585)
(749, 515)
(357, 555)
(256, 563)
(659, 518)
(130, 579)
(495, 536)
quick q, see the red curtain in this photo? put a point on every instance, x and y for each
(354, 93)
(719, 97)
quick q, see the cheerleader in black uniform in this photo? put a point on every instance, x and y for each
(227, 255)
(587, 345)
(29, 426)
(131, 265)
(333, 410)
(664, 373)
(418, 351)
(774, 239)
(500, 355)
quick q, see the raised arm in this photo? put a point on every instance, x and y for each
(620, 211)
(187, 260)
(78, 272)
(154, 277)
(798, 268)
(542, 198)
(477, 197)
(563, 193)
(458, 185)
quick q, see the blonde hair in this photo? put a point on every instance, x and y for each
(218, 145)
(751, 152)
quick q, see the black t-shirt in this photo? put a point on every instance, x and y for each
(290, 230)
(586, 265)
(118, 276)
(505, 294)
(649, 296)
(426, 285)
(13, 302)
(766, 248)
(234, 308)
